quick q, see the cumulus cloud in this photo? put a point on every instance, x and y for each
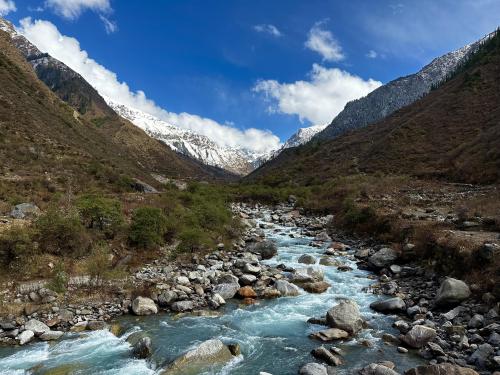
(319, 99)
(323, 42)
(7, 6)
(72, 9)
(47, 38)
(268, 29)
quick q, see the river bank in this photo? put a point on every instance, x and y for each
(226, 273)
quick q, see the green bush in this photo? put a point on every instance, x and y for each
(59, 279)
(61, 232)
(101, 213)
(98, 264)
(193, 239)
(15, 244)
(148, 228)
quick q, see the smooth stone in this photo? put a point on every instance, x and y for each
(345, 316)
(452, 291)
(144, 306)
(419, 335)
(25, 337)
(395, 304)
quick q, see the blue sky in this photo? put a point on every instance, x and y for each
(264, 64)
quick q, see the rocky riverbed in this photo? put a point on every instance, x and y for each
(320, 294)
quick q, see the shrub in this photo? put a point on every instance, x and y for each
(148, 227)
(193, 239)
(62, 233)
(101, 213)
(59, 279)
(15, 244)
(98, 264)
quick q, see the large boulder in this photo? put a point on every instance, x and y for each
(286, 288)
(25, 211)
(419, 335)
(182, 306)
(142, 348)
(306, 275)
(167, 297)
(316, 287)
(480, 356)
(265, 249)
(441, 369)
(226, 290)
(316, 369)
(452, 291)
(144, 306)
(36, 326)
(307, 259)
(345, 316)
(25, 337)
(389, 305)
(383, 258)
(51, 335)
(377, 369)
(330, 334)
(209, 354)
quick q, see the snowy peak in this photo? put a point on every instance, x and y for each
(187, 142)
(303, 135)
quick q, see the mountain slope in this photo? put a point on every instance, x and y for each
(45, 141)
(396, 94)
(186, 142)
(452, 133)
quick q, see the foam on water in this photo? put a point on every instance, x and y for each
(272, 334)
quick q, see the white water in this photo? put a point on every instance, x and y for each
(272, 334)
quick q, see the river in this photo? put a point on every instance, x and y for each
(273, 334)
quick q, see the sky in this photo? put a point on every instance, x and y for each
(247, 73)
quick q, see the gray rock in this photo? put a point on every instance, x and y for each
(307, 259)
(226, 291)
(452, 291)
(330, 334)
(249, 268)
(265, 249)
(182, 306)
(377, 369)
(419, 336)
(309, 274)
(286, 288)
(327, 356)
(96, 325)
(144, 306)
(142, 187)
(142, 348)
(441, 369)
(51, 335)
(315, 369)
(389, 305)
(480, 357)
(25, 211)
(247, 279)
(383, 258)
(345, 316)
(36, 326)
(477, 321)
(167, 297)
(25, 337)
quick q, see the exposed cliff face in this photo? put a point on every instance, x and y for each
(396, 94)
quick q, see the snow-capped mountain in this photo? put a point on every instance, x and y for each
(398, 93)
(187, 142)
(303, 135)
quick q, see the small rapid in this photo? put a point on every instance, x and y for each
(273, 334)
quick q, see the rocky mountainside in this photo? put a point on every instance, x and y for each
(47, 145)
(397, 94)
(452, 133)
(187, 142)
(303, 135)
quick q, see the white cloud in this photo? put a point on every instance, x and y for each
(110, 26)
(372, 54)
(71, 9)
(268, 29)
(321, 98)
(7, 6)
(47, 38)
(323, 42)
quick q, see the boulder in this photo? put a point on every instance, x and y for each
(25, 337)
(330, 334)
(419, 335)
(51, 335)
(383, 258)
(377, 369)
(307, 259)
(323, 237)
(167, 297)
(441, 369)
(95, 325)
(309, 274)
(142, 187)
(206, 355)
(286, 289)
(36, 326)
(247, 292)
(226, 291)
(247, 279)
(316, 287)
(452, 291)
(25, 211)
(144, 306)
(329, 261)
(315, 369)
(182, 306)
(480, 356)
(250, 268)
(395, 304)
(345, 316)
(327, 356)
(265, 249)
(142, 348)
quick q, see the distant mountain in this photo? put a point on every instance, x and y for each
(397, 94)
(186, 142)
(450, 134)
(303, 135)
